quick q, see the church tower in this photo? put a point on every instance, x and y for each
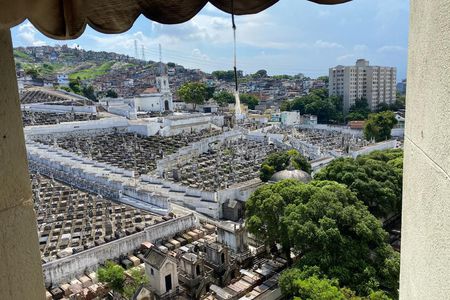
(162, 82)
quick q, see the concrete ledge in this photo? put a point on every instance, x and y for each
(18, 240)
(425, 228)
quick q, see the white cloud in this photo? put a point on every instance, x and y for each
(27, 33)
(345, 58)
(391, 48)
(197, 54)
(324, 13)
(325, 44)
(360, 48)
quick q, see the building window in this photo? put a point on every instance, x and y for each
(151, 272)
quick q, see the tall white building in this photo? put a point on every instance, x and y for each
(374, 83)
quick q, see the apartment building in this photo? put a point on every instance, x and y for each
(374, 83)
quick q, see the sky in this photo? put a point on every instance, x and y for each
(291, 37)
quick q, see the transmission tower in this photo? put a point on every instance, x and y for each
(135, 50)
(160, 60)
(143, 52)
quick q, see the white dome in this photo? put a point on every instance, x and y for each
(299, 175)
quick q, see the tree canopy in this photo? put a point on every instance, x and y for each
(194, 93)
(260, 74)
(111, 94)
(359, 111)
(137, 279)
(279, 161)
(223, 98)
(379, 126)
(330, 228)
(327, 108)
(250, 100)
(375, 178)
(224, 75)
(77, 87)
(325, 79)
(114, 275)
(400, 102)
(307, 283)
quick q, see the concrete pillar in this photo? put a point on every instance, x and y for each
(425, 253)
(20, 264)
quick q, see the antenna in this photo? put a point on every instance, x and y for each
(143, 52)
(160, 61)
(136, 55)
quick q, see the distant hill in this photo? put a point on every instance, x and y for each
(45, 62)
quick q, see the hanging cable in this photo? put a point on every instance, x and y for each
(234, 44)
(238, 112)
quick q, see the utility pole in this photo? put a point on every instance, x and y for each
(160, 61)
(136, 55)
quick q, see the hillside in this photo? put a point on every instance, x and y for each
(93, 74)
(44, 63)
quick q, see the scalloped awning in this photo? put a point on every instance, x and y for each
(67, 19)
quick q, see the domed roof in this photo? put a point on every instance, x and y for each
(299, 175)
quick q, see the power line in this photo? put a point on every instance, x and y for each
(135, 50)
(222, 63)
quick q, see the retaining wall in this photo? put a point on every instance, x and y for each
(65, 269)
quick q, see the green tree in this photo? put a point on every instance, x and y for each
(223, 98)
(286, 105)
(331, 229)
(279, 161)
(334, 231)
(375, 178)
(400, 102)
(88, 92)
(359, 111)
(260, 74)
(383, 106)
(250, 100)
(171, 65)
(325, 79)
(193, 92)
(379, 126)
(328, 109)
(75, 85)
(224, 75)
(32, 71)
(356, 116)
(137, 279)
(111, 94)
(210, 92)
(280, 77)
(309, 283)
(66, 88)
(113, 275)
(314, 288)
(264, 216)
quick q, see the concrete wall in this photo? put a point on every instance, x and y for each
(59, 108)
(111, 182)
(67, 268)
(145, 129)
(378, 146)
(398, 132)
(20, 272)
(425, 255)
(69, 127)
(184, 154)
(342, 129)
